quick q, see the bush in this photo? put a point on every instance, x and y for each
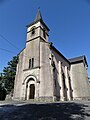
(3, 93)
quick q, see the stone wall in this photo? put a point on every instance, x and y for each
(79, 80)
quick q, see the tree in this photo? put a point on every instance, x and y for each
(3, 90)
(8, 75)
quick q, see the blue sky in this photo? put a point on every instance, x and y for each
(68, 20)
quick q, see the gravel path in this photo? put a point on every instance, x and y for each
(76, 110)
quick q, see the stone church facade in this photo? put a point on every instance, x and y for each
(43, 73)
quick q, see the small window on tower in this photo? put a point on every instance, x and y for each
(44, 33)
(33, 31)
(31, 63)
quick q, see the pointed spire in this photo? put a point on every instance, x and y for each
(37, 19)
(38, 16)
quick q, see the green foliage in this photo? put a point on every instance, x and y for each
(1, 82)
(8, 75)
(3, 91)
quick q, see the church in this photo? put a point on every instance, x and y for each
(44, 74)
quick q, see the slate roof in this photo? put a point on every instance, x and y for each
(78, 59)
(37, 19)
(60, 54)
(38, 16)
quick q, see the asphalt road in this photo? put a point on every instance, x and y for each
(75, 110)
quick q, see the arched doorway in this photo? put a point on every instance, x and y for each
(30, 87)
(32, 91)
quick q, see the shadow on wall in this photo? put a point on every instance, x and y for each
(49, 111)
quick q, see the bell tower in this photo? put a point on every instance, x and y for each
(34, 77)
(37, 29)
(33, 71)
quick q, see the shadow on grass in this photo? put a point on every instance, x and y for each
(49, 111)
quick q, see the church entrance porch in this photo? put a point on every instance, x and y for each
(30, 88)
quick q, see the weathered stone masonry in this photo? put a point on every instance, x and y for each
(43, 73)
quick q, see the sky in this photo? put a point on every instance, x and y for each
(68, 20)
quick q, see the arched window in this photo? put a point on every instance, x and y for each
(31, 63)
(63, 76)
(44, 33)
(32, 31)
